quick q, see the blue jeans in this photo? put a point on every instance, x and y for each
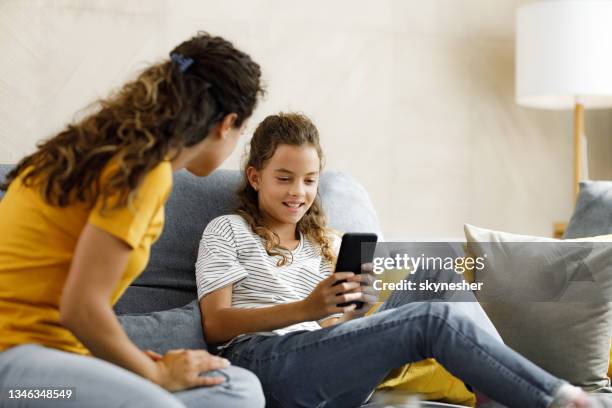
(97, 383)
(339, 366)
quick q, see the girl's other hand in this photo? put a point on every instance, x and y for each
(366, 288)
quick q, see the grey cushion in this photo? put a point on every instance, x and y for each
(166, 330)
(593, 213)
(549, 300)
(169, 279)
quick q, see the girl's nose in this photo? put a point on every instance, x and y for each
(297, 190)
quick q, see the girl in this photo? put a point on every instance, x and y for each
(94, 195)
(267, 293)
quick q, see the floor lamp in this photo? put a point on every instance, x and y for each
(564, 61)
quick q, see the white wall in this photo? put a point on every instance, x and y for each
(414, 98)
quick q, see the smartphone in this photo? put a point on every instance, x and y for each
(353, 254)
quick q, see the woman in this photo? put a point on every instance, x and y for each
(79, 217)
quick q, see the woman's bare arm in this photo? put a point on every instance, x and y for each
(85, 309)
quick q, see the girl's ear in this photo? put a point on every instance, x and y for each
(253, 177)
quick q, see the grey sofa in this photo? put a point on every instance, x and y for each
(169, 279)
(159, 310)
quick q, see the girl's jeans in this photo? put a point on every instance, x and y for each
(339, 366)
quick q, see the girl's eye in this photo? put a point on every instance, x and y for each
(311, 181)
(282, 178)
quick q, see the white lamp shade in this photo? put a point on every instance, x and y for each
(564, 54)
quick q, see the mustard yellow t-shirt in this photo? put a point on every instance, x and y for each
(37, 243)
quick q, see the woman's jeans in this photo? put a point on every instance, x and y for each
(97, 383)
(339, 366)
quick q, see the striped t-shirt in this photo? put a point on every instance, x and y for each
(232, 254)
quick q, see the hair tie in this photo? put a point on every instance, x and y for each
(181, 61)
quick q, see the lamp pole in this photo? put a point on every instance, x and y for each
(578, 134)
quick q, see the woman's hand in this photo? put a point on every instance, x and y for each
(180, 369)
(325, 298)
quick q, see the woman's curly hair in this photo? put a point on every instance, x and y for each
(296, 130)
(165, 109)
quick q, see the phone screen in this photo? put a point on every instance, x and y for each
(355, 250)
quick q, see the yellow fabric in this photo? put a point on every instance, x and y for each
(428, 379)
(431, 381)
(37, 245)
(610, 364)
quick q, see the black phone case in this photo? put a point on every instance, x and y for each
(350, 257)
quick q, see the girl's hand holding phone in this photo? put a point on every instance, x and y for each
(328, 294)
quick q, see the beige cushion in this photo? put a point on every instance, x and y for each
(549, 300)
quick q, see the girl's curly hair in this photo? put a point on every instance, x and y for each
(296, 130)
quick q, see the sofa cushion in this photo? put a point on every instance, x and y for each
(170, 277)
(593, 213)
(592, 216)
(166, 330)
(549, 300)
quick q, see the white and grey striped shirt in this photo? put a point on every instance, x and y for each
(231, 253)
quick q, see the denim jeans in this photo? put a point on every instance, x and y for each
(339, 366)
(97, 383)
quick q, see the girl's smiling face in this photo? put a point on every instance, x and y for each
(287, 184)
